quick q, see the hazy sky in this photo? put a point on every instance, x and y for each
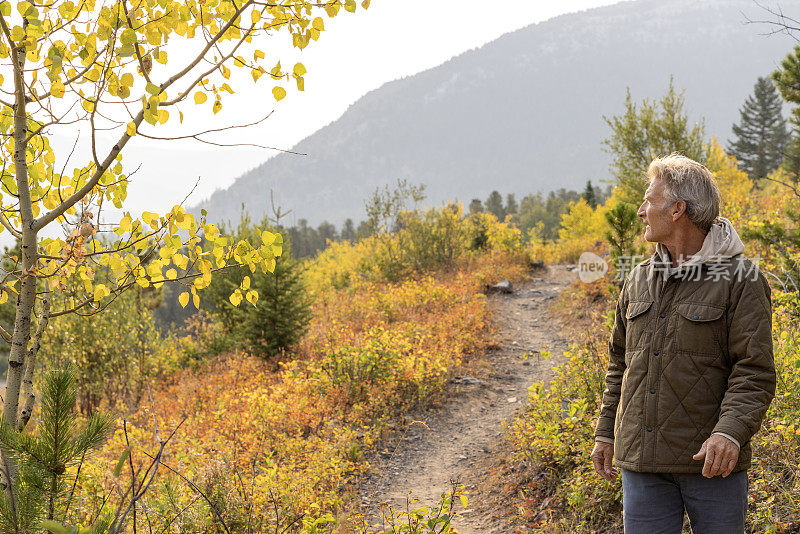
(357, 53)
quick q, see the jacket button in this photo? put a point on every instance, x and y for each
(695, 316)
(656, 353)
(653, 391)
(649, 428)
(663, 315)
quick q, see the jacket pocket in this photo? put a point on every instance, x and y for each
(636, 328)
(698, 328)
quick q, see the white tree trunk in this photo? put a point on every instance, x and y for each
(27, 291)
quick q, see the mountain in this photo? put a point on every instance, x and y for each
(522, 113)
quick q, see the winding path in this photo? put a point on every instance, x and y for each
(463, 439)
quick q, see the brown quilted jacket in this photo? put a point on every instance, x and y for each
(690, 354)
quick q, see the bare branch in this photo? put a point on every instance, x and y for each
(199, 491)
(196, 137)
(780, 23)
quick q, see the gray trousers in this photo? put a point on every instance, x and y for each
(653, 503)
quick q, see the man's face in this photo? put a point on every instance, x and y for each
(655, 213)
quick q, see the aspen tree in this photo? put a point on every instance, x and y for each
(104, 67)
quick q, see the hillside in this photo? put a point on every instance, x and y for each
(522, 113)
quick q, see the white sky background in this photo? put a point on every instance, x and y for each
(355, 54)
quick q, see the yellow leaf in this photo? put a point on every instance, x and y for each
(131, 129)
(257, 55)
(56, 89)
(365, 4)
(332, 8)
(180, 261)
(17, 33)
(163, 116)
(150, 218)
(279, 93)
(217, 106)
(196, 300)
(318, 24)
(88, 105)
(246, 283)
(350, 6)
(172, 274)
(299, 69)
(23, 7)
(255, 16)
(200, 97)
(183, 299)
(236, 298)
(101, 291)
(252, 297)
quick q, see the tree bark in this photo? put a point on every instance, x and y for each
(27, 292)
(28, 396)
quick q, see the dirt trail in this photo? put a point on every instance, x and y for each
(457, 441)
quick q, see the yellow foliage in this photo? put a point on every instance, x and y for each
(299, 432)
(734, 185)
(582, 229)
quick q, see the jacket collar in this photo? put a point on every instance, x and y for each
(721, 243)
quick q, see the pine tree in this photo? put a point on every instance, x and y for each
(647, 131)
(761, 134)
(494, 205)
(625, 226)
(283, 311)
(476, 206)
(326, 232)
(280, 316)
(511, 204)
(791, 157)
(349, 231)
(49, 457)
(787, 80)
(589, 195)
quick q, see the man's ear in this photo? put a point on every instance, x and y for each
(678, 209)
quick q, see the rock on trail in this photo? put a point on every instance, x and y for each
(456, 441)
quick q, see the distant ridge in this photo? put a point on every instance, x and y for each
(522, 113)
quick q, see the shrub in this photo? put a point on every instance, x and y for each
(556, 486)
(432, 239)
(114, 350)
(581, 228)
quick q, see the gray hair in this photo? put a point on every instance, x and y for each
(687, 180)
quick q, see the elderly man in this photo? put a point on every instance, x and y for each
(691, 371)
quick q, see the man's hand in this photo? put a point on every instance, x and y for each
(602, 455)
(720, 455)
